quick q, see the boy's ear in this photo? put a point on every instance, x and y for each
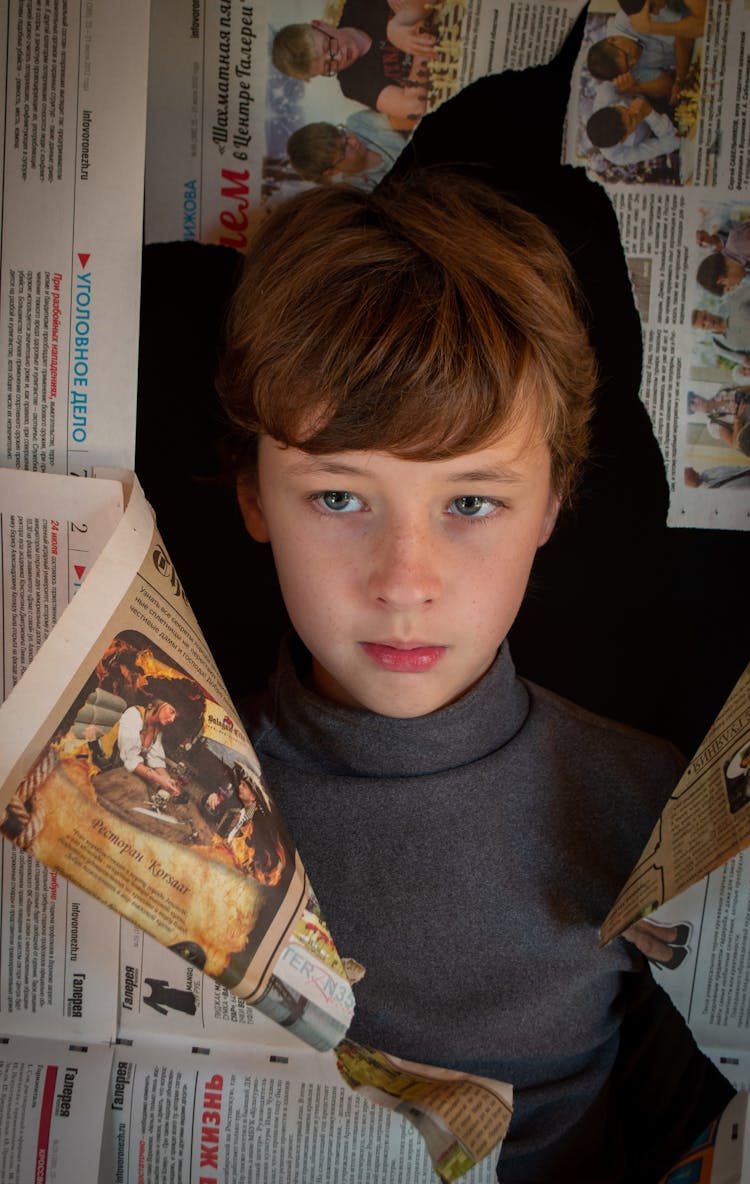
(252, 512)
(550, 518)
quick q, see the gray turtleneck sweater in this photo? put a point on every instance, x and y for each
(466, 859)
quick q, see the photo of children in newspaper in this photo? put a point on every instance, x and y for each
(348, 83)
(718, 401)
(149, 795)
(639, 88)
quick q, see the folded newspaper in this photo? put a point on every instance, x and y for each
(125, 768)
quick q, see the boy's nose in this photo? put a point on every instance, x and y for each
(405, 573)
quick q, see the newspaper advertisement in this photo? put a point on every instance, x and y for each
(163, 996)
(659, 115)
(126, 770)
(74, 78)
(250, 103)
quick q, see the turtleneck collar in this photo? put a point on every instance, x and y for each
(306, 731)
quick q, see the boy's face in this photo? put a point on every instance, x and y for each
(402, 577)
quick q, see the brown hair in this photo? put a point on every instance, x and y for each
(420, 320)
(314, 149)
(710, 271)
(602, 60)
(293, 51)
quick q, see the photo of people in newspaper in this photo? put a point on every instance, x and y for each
(718, 401)
(639, 89)
(737, 778)
(149, 794)
(348, 83)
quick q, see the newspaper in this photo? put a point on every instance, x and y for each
(74, 79)
(230, 134)
(53, 1099)
(678, 177)
(125, 769)
(704, 824)
(186, 1089)
(688, 898)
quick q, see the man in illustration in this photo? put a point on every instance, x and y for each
(135, 782)
(244, 826)
(371, 52)
(360, 153)
(628, 133)
(140, 747)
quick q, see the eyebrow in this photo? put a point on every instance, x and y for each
(308, 467)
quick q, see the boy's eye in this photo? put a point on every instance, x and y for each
(473, 506)
(339, 500)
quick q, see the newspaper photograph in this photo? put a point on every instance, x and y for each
(658, 115)
(70, 249)
(250, 103)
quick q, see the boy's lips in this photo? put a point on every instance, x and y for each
(403, 658)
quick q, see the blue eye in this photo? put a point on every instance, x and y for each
(472, 506)
(339, 501)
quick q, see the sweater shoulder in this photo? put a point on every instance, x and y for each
(589, 737)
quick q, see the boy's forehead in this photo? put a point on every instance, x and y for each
(508, 456)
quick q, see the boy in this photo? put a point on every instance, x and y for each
(370, 52)
(631, 133)
(412, 383)
(359, 153)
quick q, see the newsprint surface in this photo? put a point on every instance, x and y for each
(73, 76)
(680, 185)
(221, 114)
(690, 891)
